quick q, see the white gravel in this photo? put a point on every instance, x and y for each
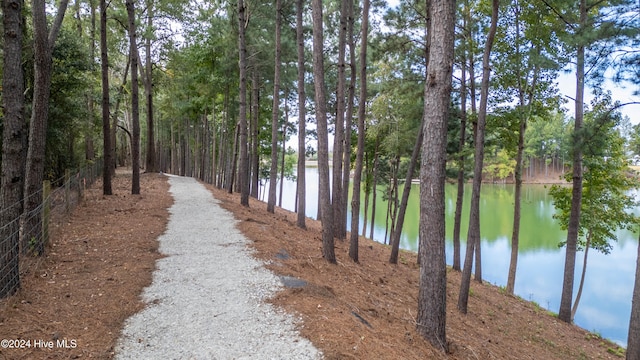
(206, 299)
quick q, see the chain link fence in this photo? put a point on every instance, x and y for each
(18, 243)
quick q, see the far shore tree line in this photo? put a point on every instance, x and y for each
(438, 90)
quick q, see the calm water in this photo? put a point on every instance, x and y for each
(605, 306)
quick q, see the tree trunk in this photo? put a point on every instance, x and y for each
(584, 272)
(255, 109)
(339, 228)
(473, 239)
(114, 124)
(90, 153)
(13, 134)
(564, 313)
(284, 152)
(151, 162)
(374, 187)
(214, 146)
(346, 168)
(395, 237)
(302, 123)
(633, 339)
(243, 178)
(43, 42)
(234, 161)
(106, 119)
(457, 220)
(362, 111)
(432, 294)
(517, 199)
(275, 115)
(367, 191)
(323, 142)
(135, 102)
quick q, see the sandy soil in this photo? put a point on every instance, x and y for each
(102, 257)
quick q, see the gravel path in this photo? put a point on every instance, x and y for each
(206, 299)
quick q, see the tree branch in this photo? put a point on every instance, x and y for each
(57, 24)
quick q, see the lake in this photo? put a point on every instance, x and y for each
(605, 305)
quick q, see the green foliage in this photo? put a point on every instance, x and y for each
(67, 106)
(606, 201)
(500, 166)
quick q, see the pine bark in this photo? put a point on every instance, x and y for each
(43, 42)
(432, 294)
(135, 100)
(346, 167)
(275, 115)
(324, 197)
(151, 161)
(362, 111)
(339, 227)
(255, 108)
(302, 123)
(14, 132)
(106, 120)
(566, 298)
(243, 178)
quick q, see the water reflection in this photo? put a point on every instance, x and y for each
(606, 300)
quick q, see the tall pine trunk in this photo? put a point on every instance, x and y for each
(135, 99)
(346, 167)
(12, 176)
(255, 157)
(151, 161)
(43, 43)
(339, 227)
(275, 115)
(106, 120)
(564, 313)
(457, 220)
(362, 112)
(432, 294)
(326, 210)
(395, 236)
(243, 178)
(302, 123)
(473, 238)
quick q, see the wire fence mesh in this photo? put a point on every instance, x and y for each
(20, 239)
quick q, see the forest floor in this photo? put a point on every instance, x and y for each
(102, 256)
